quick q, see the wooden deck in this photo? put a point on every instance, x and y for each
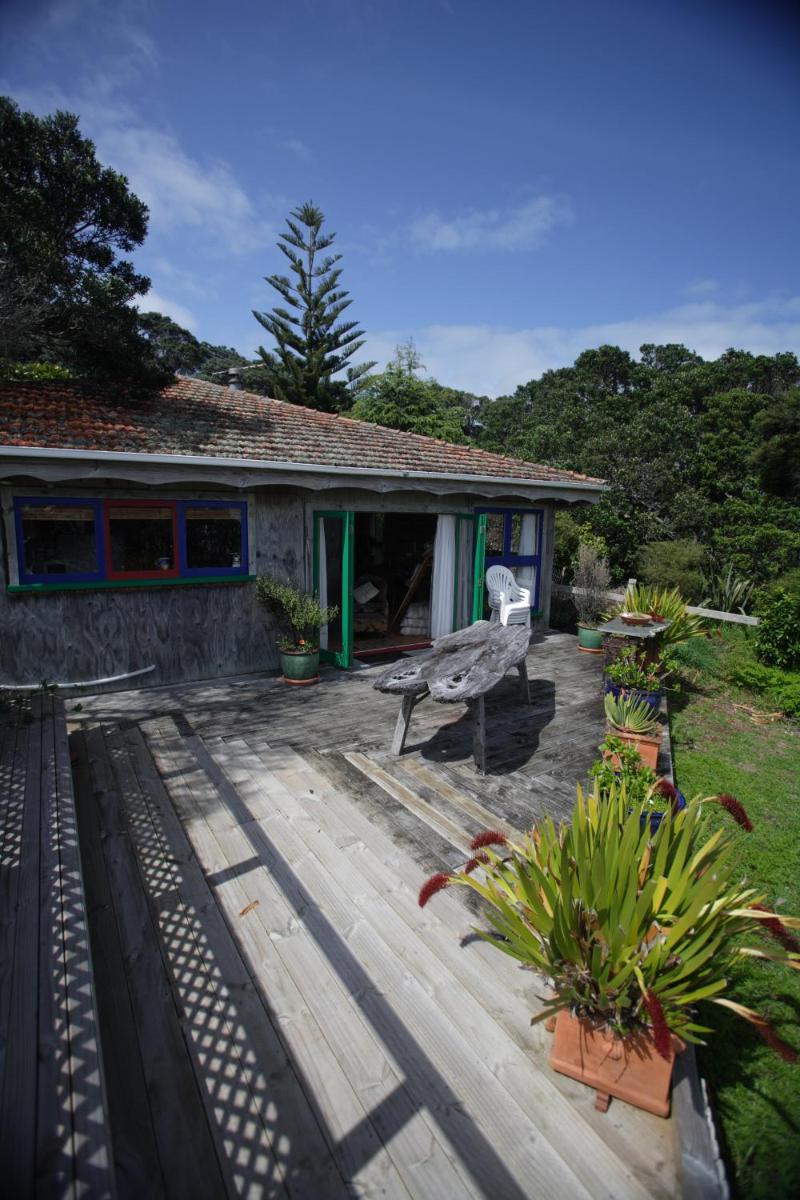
(278, 1017)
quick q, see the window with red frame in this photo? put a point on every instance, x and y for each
(141, 539)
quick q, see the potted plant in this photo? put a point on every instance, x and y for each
(631, 929)
(621, 764)
(590, 584)
(634, 722)
(662, 605)
(304, 616)
(630, 674)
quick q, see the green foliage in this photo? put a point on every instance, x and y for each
(629, 772)
(612, 913)
(777, 457)
(677, 439)
(303, 613)
(630, 714)
(312, 344)
(698, 654)
(717, 747)
(668, 604)
(33, 372)
(65, 223)
(630, 669)
(570, 534)
(401, 400)
(677, 564)
(778, 635)
(725, 591)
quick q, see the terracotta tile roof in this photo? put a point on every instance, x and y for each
(191, 417)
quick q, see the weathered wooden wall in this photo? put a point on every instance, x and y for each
(185, 632)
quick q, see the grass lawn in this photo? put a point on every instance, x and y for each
(721, 748)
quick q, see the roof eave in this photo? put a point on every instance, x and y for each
(278, 466)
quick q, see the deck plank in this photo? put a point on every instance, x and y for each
(254, 1048)
(502, 992)
(328, 1036)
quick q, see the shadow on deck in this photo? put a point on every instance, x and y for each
(277, 1015)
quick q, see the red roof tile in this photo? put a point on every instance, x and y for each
(191, 417)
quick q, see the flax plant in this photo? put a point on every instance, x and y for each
(632, 928)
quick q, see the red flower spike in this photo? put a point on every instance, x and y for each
(732, 805)
(489, 837)
(781, 1048)
(779, 931)
(477, 861)
(662, 1037)
(667, 790)
(432, 886)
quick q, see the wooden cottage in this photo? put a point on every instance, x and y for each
(134, 525)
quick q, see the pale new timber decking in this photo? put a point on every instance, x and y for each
(288, 1021)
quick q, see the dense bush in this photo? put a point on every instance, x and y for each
(677, 564)
(778, 637)
(779, 689)
(570, 535)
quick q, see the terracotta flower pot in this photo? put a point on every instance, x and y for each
(629, 1068)
(647, 746)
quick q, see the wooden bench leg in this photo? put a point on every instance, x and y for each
(407, 705)
(479, 734)
(522, 667)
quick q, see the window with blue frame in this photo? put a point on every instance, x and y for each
(59, 541)
(514, 540)
(84, 541)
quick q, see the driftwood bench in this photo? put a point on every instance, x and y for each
(54, 1136)
(460, 668)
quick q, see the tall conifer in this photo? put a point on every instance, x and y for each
(311, 344)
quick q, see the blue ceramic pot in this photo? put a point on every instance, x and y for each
(651, 698)
(657, 817)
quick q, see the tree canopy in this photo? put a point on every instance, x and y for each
(312, 345)
(690, 449)
(66, 223)
(401, 399)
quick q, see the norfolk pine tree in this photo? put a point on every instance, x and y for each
(310, 347)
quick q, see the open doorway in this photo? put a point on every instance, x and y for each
(392, 570)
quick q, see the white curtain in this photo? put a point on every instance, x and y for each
(322, 551)
(528, 538)
(444, 576)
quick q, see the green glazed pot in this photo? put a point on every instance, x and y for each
(300, 666)
(589, 639)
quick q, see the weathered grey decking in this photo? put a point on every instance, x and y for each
(278, 1016)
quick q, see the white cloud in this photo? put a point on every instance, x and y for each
(155, 302)
(493, 361)
(297, 147)
(522, 228)
(181, 192)
(702, 287)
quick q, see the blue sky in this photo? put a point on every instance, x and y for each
(510, 183)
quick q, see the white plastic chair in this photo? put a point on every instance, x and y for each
(510, 603)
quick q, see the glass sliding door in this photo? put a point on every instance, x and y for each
(332, 559)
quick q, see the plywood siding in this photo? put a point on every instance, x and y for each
(186, 633)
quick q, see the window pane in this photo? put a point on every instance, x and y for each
(59, 539)
(141, 538)
(213, 536)
(495, 530)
